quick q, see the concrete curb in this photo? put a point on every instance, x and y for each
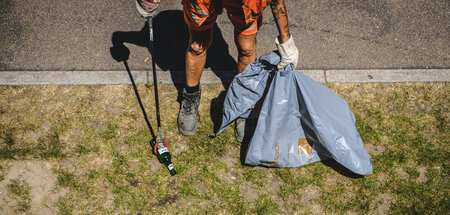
(17, 78)
(398, 75)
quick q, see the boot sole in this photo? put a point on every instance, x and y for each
(188, 133)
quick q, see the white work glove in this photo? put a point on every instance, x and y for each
(288, 52)
(147, 8)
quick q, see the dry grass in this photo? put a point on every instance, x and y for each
(96, 143)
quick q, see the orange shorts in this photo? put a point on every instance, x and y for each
(201, 15)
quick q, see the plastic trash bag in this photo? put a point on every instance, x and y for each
(300, 121)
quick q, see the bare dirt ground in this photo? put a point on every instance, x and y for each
(42, 181)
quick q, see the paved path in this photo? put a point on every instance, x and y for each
(357, 35)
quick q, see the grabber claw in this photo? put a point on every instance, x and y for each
(155, 147)
(167, 145)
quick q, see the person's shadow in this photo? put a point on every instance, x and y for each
(171, 38)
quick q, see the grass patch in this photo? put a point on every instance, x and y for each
(266, 205)
(66, 179)
(7, 136)
(82, 150)
(403, 126)
(65, 206)
(110, 132)
(50, 146)
(20, 191)
(47, 147)
(2, 177)
(13, 152)
(422, 198)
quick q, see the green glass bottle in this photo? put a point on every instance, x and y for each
(161, 149)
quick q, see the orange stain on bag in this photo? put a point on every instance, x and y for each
(303, 146)
(277, 152)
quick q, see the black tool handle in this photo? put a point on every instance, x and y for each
(155, 80)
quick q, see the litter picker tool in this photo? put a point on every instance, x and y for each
(159, 144)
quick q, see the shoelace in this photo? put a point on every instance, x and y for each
(188, 105)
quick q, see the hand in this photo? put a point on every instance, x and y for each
(147, 8)
(288, 52)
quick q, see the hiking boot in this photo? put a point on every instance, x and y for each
(188, 115)
(239, 129)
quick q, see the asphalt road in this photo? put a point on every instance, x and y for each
(330, 34)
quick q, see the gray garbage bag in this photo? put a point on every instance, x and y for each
(300, 121)
(246, 89)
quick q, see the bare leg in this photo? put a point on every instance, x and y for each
(199, 42)
(246, 45)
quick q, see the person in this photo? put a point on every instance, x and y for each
(246, 17)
